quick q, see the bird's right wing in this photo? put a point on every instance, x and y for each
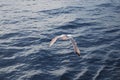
(53, 41)
(76, 49)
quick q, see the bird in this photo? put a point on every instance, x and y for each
(66, 37)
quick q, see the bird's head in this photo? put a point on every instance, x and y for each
(69, 35)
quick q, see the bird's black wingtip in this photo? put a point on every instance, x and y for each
(78, 54)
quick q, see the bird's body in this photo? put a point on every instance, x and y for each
(66, 37)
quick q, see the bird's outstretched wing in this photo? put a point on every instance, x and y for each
(53, 41)
(63, 37)
(76, 49)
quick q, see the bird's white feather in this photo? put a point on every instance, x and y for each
(65, 37)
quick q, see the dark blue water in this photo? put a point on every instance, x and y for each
(27, 26)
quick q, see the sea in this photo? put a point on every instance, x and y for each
(27, 27)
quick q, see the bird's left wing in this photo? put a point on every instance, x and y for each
(53, 41)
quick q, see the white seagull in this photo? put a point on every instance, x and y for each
(66, 37)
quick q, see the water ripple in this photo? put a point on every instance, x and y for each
(26, 28)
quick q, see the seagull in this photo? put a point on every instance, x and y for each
(66, 37)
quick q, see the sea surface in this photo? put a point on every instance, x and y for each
(27, 26)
